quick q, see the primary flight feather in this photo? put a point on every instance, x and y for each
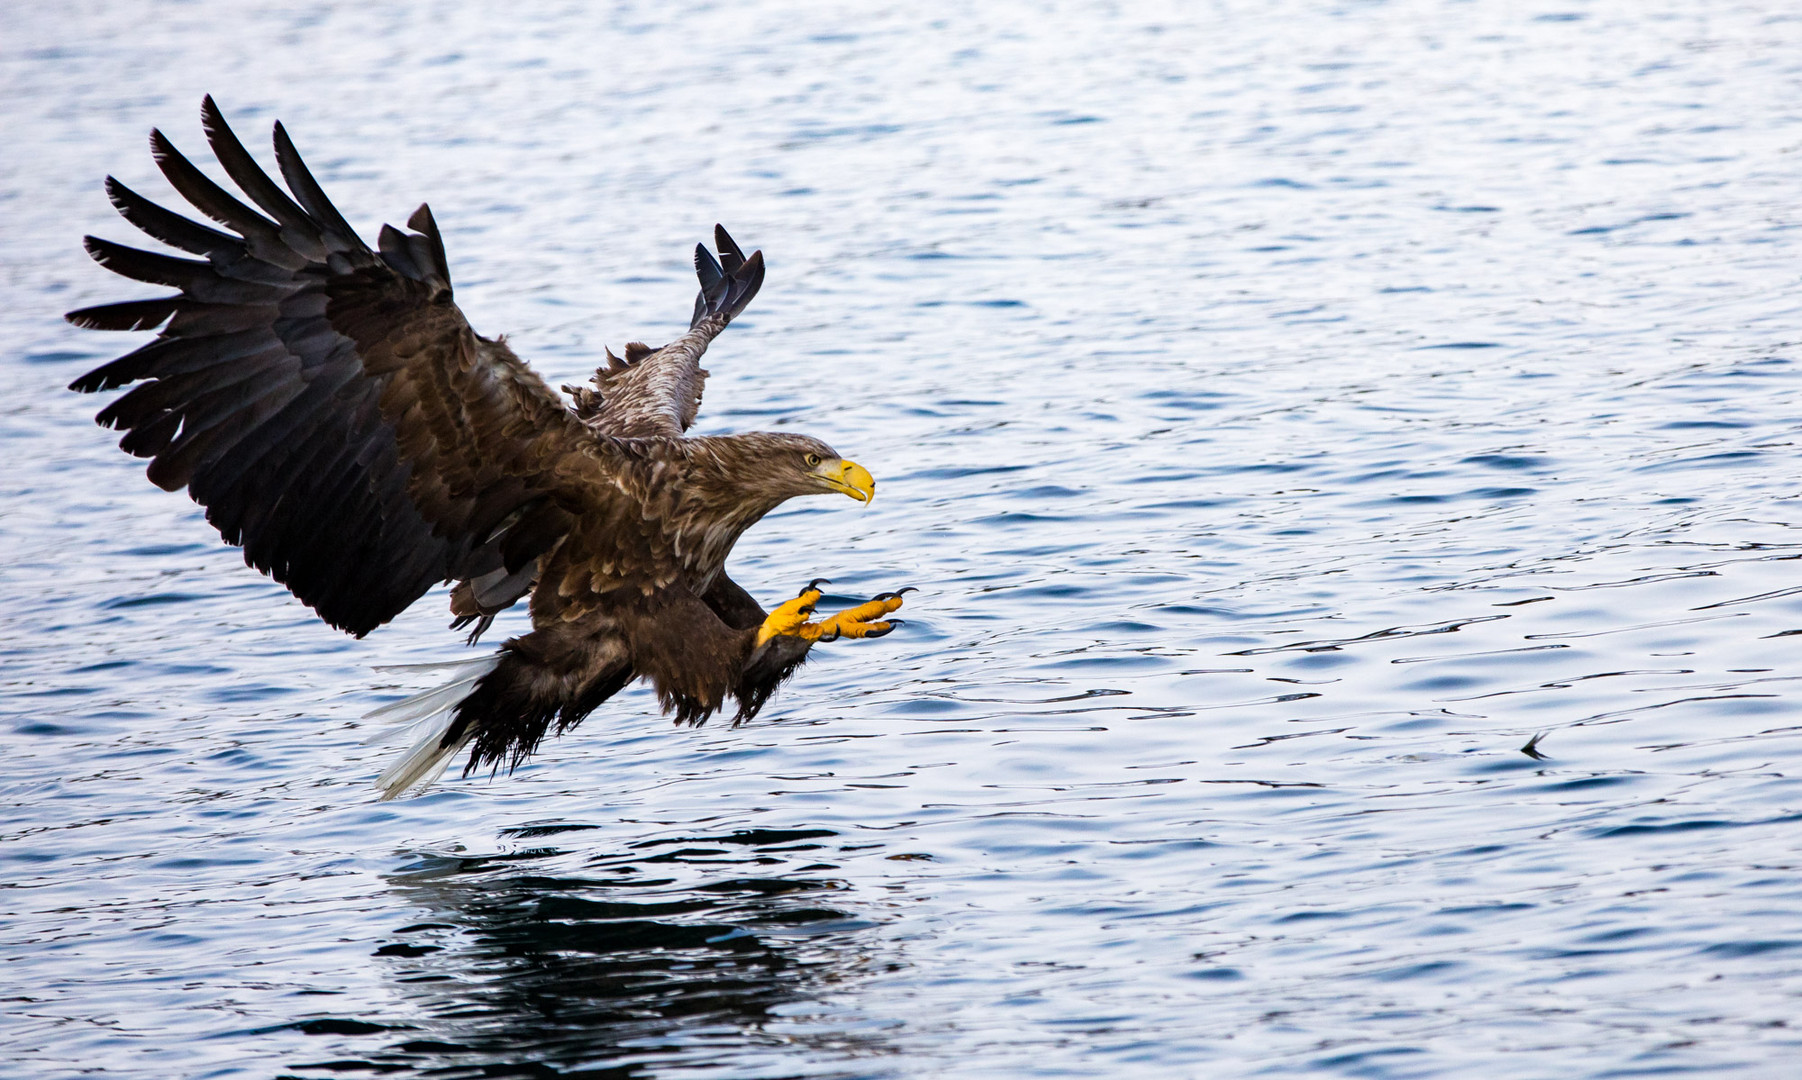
(333, 411)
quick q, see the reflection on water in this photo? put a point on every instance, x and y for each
(1288, 413)
(675, 952)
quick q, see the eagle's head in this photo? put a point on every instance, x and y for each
(811, 467)
(771, 468)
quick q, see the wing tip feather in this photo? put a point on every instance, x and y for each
(129, 315)
(728, 283)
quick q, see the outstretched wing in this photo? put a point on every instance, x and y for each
(326, 403)
(657, 392)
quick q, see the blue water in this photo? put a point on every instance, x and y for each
(1287, 412)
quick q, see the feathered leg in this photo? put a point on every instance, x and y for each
(543, 682)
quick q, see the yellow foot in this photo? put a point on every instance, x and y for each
(857, 622)
(791, 617)
(862, 621)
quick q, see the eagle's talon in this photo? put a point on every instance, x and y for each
(860, 621)
(853, 622)
(791, 617)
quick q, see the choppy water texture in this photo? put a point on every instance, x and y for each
(1287, 411)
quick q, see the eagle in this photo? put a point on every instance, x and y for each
(339, 420)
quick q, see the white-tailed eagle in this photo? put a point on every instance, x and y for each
(333, 411)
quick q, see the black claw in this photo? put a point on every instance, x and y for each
(816, 583)
(887, 630)
(894, 595)
(483, 622)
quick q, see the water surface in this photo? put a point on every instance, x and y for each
(1287, 413)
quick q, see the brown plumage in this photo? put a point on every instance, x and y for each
(333, 411)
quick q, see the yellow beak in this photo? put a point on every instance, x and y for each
(849, 478)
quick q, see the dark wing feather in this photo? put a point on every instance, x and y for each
(298, 231)
(262, 237)
(130, 315)
(657, 392)
(728, 285)
(319, 209)
(326, 403)
(169, 227)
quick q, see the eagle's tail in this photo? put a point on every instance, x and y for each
(429, 715)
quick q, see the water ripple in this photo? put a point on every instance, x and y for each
(1349, 475)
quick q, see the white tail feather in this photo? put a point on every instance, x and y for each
(404, 712)
(423, 764)
(429, 714)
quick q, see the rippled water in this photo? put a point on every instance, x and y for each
(1287, 412)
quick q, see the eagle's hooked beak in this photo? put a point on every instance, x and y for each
(848, 478)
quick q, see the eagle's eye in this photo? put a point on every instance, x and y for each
(812, 460)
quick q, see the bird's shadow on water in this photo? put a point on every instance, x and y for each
(688, 951)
